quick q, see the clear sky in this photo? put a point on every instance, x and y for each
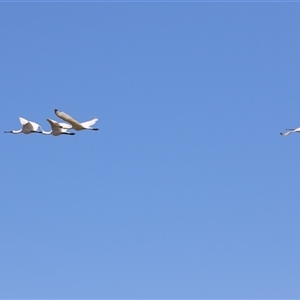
(187, 190)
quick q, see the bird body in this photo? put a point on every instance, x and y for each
(74, 123)
(27, 127)
(57, 128)
(290, 131)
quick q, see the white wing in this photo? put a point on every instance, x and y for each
(62, 115)
(54, 124)
(23, 121)
(65, 125)
(89, 123)
(29, 125)
(57, 129)
(34, 125)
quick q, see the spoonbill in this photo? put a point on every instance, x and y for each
(57, 128)
(27, 127)
(75, 124)
(290, 131)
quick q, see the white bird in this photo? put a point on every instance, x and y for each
(57, 128)
(290, 131)
(27, 127)
(74, 123)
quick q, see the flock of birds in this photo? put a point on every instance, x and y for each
(56, 127)
(62, 128)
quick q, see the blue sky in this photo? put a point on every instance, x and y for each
(187, 190)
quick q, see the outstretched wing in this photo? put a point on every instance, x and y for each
(65, 125)
(23, 121)
(35, 126)
(89, 123)
(62, 115)
(29, 126)
(54, 124)
(57, 128)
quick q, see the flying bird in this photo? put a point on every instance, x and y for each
(57, 128)
(290, 131)
(74, 123)
(27, 127)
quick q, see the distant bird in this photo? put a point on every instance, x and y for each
(57, 128)
(290, 131)
(27, 127)
(75, 124)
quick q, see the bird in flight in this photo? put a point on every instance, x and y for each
(290, 131)
(57, 128)
(74, 123)
(27, 127)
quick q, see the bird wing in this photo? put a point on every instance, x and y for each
(62, 115)
(57, 127)
(89, 123)
(54, 124)
(65, 125)
(34, 125)
(23, 121)
(29, 125)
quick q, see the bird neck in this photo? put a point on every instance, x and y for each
(46, 132)
(16, 131)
